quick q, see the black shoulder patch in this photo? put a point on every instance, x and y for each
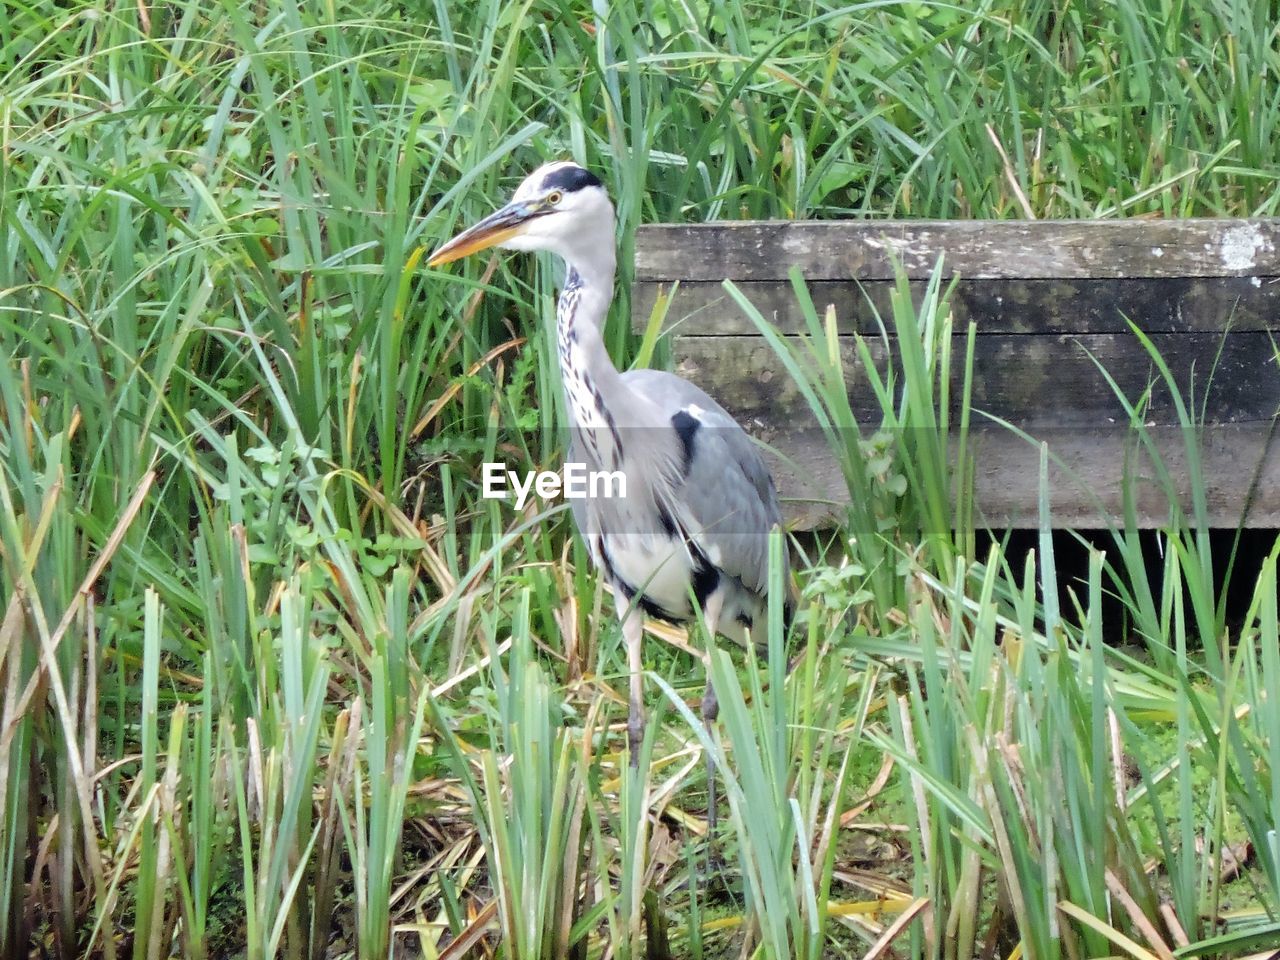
(686, 425)
(571, 178)
(706, 578)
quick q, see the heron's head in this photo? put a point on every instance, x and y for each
(560, 207)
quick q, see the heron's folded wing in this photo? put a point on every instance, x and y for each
(719, 488)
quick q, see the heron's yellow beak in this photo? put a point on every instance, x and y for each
(492, 230)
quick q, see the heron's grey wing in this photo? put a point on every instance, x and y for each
(724, 492)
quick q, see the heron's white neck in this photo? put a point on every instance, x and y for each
(600, 404)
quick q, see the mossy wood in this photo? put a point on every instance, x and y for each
(1051, 303)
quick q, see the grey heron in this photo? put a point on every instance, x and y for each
(691, 535)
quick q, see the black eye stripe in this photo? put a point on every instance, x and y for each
(571, 178)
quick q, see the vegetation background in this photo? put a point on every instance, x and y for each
(275, 681)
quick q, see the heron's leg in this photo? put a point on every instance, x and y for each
(710, 705)
(633, 633)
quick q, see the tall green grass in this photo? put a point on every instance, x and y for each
(909, 479)
(241, 543)
(1015, 731)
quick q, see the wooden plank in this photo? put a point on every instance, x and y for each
(1156, 305)
(1046, 380)
(976, 249)
(1047, 299)
(1240, 464)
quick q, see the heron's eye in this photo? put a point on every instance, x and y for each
(554, 197)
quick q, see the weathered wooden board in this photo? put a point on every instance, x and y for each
(976, 249)
(1164, 305)
(1053, 380)
(1240, 467)
(1050, 302)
